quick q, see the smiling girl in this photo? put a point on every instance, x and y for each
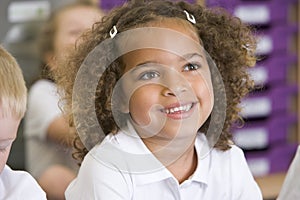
(152, 90)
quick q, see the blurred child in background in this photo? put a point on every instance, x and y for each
(48, 140)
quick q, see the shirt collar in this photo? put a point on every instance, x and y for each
(203, 154)
(129, 141)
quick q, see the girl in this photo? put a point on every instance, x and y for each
(153, 77)
(48, 141)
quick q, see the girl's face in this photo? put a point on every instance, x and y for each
(168, 92)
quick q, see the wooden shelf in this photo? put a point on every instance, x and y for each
(270, 185)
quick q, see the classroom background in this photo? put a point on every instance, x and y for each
(271, 132)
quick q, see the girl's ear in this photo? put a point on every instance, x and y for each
(120, 102)
(124, 109)
(124, 105)
(120, 97)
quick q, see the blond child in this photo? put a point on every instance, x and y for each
(13, 94)
(152, 91)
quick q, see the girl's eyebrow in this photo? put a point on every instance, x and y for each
(150, 62)
(144, 64)
(191, 55)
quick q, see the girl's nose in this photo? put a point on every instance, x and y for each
(175, 89)
(174, 83)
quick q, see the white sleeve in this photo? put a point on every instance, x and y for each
(291, 185)
(244, 185)
(99, 182)
(42, 109)
(19, 185)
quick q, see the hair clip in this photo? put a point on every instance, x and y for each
(113, 32)
(246, 46)
(190, 17)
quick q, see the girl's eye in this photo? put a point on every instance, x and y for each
(191, 67)
(149, 75)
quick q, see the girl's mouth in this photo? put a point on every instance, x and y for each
(178, 109)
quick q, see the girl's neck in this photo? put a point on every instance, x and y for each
(185, 166)
(181, 164)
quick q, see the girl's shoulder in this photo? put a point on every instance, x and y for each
(205, 150)
(234, 154)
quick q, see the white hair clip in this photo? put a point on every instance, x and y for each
(246, 46)
(190, 17)
(113, 32)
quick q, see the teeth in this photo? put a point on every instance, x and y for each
(180, 108)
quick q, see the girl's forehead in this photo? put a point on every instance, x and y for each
(177, 24)
(172, 35)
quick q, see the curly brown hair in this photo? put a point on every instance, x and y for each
(230, 43)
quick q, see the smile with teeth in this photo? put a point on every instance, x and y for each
(179, 109)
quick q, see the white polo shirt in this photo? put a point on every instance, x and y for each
(43, 109)
(107, 173)
(17, 185)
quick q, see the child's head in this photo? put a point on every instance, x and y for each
(62, 29)
(229, 43)
(13, 96)
(164, 87)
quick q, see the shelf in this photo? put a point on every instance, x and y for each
(270, 185)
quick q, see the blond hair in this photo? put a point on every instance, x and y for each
(13, 91)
